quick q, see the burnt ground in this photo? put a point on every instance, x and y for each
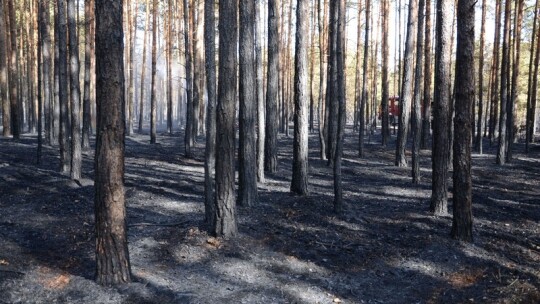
(385, 248)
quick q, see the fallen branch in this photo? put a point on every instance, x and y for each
(12, 271)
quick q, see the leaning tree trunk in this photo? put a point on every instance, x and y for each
(247, 169)
(464, 81)
(270, 146)
(418, 82)
(76, 154)
(112, 257)
(407, 85)
(224, 219)
(4, 98)
(299, 182)
(210, 150)
(441, 109)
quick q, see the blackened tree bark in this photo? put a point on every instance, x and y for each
(441, 109)
(322, 16)
(63, 88)
(426, 110)
(407, 85)
(502, 150)
(465, 95)
(247, 153)
(131, 83)
(261, 113)
(170, 9)
(365, 94)
(299, 182)
(478, 138)
(76, 154)
(210, 151)
(493, 120)
(417, 96)
(198, 70)
(511, 128)
(189, 141)
(153, 85)
(87, 117)
(6, 113)
(13, 73)
(112, 257)
(224, 219)
(340, 96)
(270, 143)
(143, 69)
(385, 82)
(332, 110)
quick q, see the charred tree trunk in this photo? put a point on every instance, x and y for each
(385, 95)
(143, 69)
(478, 138)
(426, 111)
(418, 82)
(76, 153)
(4, 81)
(261, 113)
(86, 125)
(270, 147)
(533, 80)
(15, 110)
(505, 70)
(63, 88)
(495, 74)
(365, 94)
(441, 109)
(224, 219)
(321, 19)
(153, 85)
(407, 85)
(210, 151)
(112, 257)
(462, 214)
(339, 15)
(299, 182)
(247, 152)
(189, 140)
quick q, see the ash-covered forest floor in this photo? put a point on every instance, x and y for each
(385, 247)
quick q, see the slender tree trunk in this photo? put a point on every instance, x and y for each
(169, 68)
(299, 182)
(493, 121)
(511, 128)
(13, 73)
(225, 217)
(270, 152)
(365, 93)
(321, 18)
(260, 90)
(418, 82)
(311, 68)
(63, 87)
(153, 85)
(189, 130)
(210, 151)
(385, 95)
(247, 152)
(131, 84)
(478, 138)
(441, 109)
(89, 19)
(462, 215)
(533, 80)
(76, 154)
(112, 257)
(505, 69)
(358, 69)
(407, 85)
(332, 112)
(41, 11)
(339, 15)
(143, 69)
(4, 81)
(426, 111)
(198, 75)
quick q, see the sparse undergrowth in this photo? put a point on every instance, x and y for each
(385, 247)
